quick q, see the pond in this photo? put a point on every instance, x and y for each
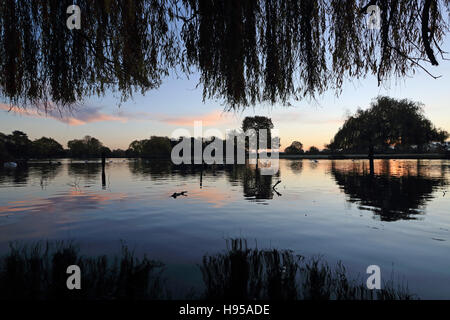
(397, 218)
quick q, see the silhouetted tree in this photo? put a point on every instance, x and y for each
(149, 148)
(156, 147)
(118, 153)
(17, 145)
(4, 153)
(46, 148)
(313, 150)
(105, 151)
(135, 148)
(388, 122)
(88, 147)
(296, 147)
(258, 123)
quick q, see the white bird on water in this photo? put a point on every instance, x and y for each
(10, 165)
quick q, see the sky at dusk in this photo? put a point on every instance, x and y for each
(178, 103)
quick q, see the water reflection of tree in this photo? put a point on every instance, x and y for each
(44, 173)
(160, 169)
(390, 196)
(296, 166)
(88, 171)
(18, 176)
(148, 168)
(255, 186)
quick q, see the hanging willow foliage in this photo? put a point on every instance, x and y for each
(122, 45)
(245, 51)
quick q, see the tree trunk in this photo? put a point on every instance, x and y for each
(371, 164)
(257, 149)
(103, 170)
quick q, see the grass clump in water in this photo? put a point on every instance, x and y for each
(38, 272)
(243, 273)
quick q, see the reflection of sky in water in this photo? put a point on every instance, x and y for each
(72, 201)
(398, 218)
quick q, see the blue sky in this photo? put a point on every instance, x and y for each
(177, 103)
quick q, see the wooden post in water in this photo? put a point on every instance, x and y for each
(103, 170)
(371, 164)
(372, 167)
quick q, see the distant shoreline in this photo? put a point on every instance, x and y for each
(364, 156)
(411, 156)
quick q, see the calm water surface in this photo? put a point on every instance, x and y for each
(398, 218)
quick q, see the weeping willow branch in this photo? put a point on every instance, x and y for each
(413, 61)
(245, 52)
(426, 30)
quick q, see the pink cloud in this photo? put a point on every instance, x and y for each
(212, 119)
(90, 114)
(81, 116)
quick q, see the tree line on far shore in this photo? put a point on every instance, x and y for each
(17, 145)
(389, 125)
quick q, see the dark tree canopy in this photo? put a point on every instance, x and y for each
(17, 145)
(296, 147)
(159, 147)
(46, 148)
(245, 51)
(88, 147)
(14, 146)
(388, 122)
(257, 123)
(313, 150)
